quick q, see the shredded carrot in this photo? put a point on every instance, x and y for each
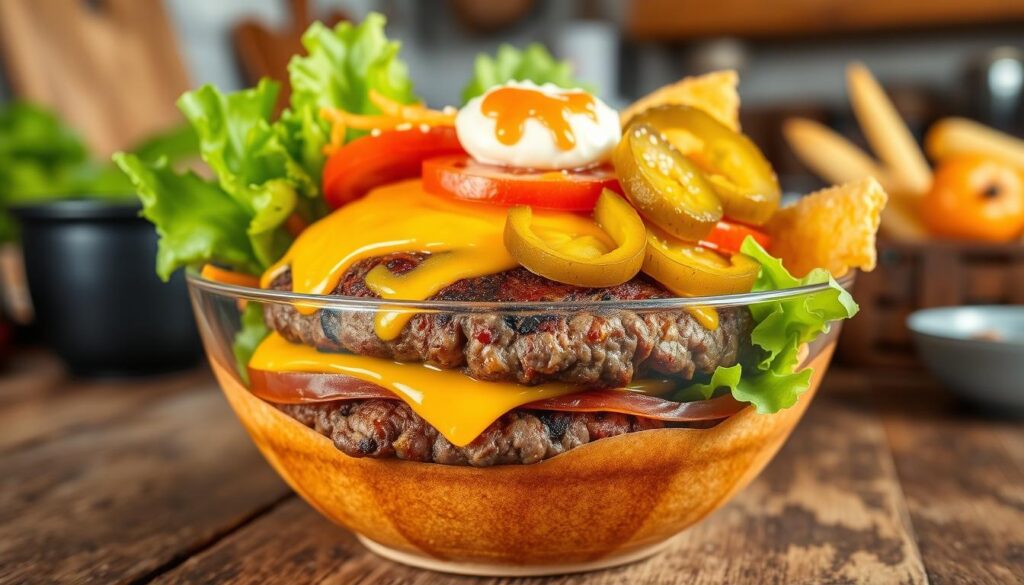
(411, 113)
(358, 121)
(395, 115)
(432, 118)
(394, 108)
(221, 275)
(337, 139)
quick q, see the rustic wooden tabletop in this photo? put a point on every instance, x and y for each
(887, 479)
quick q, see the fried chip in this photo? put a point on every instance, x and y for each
(713, 92)
(833, 229)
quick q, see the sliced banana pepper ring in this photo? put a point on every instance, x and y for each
(581, 265)
(690, 270)
(740, 174)
(668, 188)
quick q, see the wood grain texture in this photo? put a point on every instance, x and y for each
(827, 509)
(113, 502)
(680, 19)
(40, 403)
(962, 473)
(110, 68)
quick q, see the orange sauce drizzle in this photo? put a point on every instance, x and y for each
(511, 106)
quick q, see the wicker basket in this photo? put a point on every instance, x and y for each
(917, 276)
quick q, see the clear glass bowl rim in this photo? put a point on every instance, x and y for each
(338, 302)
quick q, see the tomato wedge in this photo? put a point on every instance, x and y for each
(370, 161)
(461, 177)
(727, 237)
(305, 387)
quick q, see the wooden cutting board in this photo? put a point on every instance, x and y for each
(111, 69)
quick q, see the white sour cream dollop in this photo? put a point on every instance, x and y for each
(595, 134)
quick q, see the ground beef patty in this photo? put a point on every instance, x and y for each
(389, 428)
(605, 348)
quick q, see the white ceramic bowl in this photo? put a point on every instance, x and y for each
(978, 352)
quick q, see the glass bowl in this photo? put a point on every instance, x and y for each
(605, 503)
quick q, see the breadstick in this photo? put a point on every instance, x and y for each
(954, 136)
(830, 155)
(887, 133)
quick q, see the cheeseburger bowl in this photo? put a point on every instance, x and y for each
(529, 335)
(552, 505)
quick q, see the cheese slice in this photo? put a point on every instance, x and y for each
(464, 238)
(458, 406)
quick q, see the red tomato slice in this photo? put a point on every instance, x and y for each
(463, 178)
(370, 161)
(727, 237)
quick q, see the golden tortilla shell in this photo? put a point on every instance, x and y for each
(602, 500)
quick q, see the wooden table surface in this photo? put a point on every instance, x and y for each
(887, 480)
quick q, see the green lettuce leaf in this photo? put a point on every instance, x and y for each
(341, 67)
(196, 220)
(266, 170)
(253, 331)
(253, 165)
(175, 144)
(534, 64)
(781, 328)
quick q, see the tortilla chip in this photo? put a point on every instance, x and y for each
(713, 92)
(833, 229)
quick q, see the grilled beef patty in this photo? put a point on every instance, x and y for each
(607, 348)
(389, 428)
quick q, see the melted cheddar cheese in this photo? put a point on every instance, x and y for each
(463, 238)
(459, 407)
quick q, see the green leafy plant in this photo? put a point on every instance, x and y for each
(42, 159)
(265, 170)
(781, 328)
(534, 63)
(341, 67)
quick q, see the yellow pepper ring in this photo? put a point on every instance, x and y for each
(741, 175)
(616, 217)
(666, 187)
(690, 270)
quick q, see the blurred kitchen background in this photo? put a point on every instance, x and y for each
(934, 57)
(112, 69)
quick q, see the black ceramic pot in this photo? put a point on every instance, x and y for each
(98, 302)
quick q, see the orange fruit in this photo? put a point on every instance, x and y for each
(975, 197)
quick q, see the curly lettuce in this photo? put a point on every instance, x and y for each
(265, 170)
(247, 153)
(782, 326)
(342, 66)
(252, 332)
(534, 63)
(199, 223)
